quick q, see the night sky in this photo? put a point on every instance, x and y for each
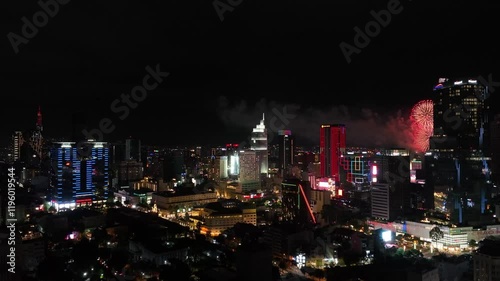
(264, 56)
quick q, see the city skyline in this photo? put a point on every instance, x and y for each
(237, 140)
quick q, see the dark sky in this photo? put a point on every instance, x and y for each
(263, 57)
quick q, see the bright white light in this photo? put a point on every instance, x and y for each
(387, 236)
(301, 260)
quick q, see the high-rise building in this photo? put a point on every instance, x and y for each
(17, 143)
(249, 170)
(259, 145)
(35, 138)
(133, 149)
(332, 147)
(174, 166)
(117, 153)
(380, 201)
(233, 164)
(80, 180)
(223, 167)
(390, 173)
(356, 167)
(459, 159)
(286, 150)
(461, 116)
(495, 148)
(296, 202)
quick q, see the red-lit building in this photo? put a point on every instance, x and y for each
(332, 146)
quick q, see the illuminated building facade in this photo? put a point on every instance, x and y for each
(36, 139)
(259, 145)
(17, 142)
(80, 180)
(459, 157)
(286, 150)
(461, 118)
(380, 201)
(249, 171)
(223, 167)
(233, 165)
(296, 202)
(356, 166)
(332, 147)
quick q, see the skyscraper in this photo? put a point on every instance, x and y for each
(36, 139)
(232, 152)
(332, 147)
(390, 189)
(133, 149)
(17, 142)
(461, 116)
(459, 148)
(286, 150)
(223, 170)
(249, 170)
(79, 180)
(296, 202)
(259, 145)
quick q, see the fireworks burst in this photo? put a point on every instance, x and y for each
(422, 124)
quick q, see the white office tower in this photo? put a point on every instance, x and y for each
(259, 145)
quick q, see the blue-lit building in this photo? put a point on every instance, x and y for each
(80, 176)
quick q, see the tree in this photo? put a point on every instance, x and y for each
(472, 243)
(436, 234)
(413, 254)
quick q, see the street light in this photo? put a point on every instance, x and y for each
(301, 260)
